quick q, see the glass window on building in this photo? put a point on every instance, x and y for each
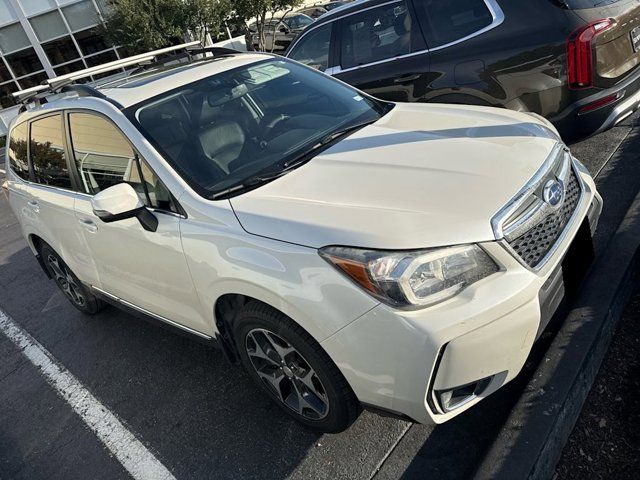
(6, 89)
(12, 38)
(24, 62)
(49, 25)
(33, 7)
(33, 80)
(7, 15)
(91, 41)
(61, 50)
(101, 58)
(5, 75)
(81, 15)
(69, 67)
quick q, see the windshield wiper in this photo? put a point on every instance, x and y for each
(290, 165)
(326, 140)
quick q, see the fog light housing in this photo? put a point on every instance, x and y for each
(455, 398)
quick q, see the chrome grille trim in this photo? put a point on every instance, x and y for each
(526, 214)
(533, 245)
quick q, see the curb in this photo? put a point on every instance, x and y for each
(531, 441)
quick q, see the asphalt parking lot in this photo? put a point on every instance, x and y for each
(202, 418)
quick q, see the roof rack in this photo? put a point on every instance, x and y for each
(54, 85)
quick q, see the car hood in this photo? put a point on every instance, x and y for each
(422, 176)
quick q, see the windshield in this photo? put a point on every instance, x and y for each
(225, 129)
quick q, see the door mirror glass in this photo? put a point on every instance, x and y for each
(120, 202)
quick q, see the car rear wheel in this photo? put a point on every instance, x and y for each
(291, 367)
(67, 281)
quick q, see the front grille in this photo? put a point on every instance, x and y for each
(533, 245)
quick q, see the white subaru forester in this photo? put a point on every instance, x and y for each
(347, 251)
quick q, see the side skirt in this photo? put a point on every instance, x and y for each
(154, 319)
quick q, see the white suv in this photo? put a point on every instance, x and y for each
(348, 252)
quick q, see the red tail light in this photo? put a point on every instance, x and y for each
(580, 53)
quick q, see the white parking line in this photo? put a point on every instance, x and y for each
(129, 451)
(2, 171)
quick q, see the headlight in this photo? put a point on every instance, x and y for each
(414, 279)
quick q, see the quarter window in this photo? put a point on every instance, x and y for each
(444, 21)
(376, 34)
(18, 151)
(48, 157)
(104, 157)
(313, 49)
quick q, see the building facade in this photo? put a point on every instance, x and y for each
(42, 39)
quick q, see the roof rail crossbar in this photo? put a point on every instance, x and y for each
(66, 83)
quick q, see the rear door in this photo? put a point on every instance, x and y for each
(617, 48)
(18, 172)
(381, 51)
(51, 195)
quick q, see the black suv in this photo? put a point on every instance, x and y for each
(572, 61)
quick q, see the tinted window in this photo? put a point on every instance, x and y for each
(313, 49)
(18, 151)
(48, 157)
(444, 21)
(105, 157)
(376, 34)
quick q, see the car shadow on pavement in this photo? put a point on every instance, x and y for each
(203, 416)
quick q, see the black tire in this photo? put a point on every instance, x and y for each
(342, 406)
(67, 281)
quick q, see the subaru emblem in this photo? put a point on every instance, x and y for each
(553, 193)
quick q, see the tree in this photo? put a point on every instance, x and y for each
(206, 17)
(261, 10)
(144, 25)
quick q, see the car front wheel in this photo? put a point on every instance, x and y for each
(291, 367)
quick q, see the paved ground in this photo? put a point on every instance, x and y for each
(605, 442)
(202, 418)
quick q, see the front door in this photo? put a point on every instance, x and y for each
(147, 270)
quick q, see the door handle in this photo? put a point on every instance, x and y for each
(89, 225)
(407, 78)
(34, 206)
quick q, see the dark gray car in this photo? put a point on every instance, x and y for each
(572, 61)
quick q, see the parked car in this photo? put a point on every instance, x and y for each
(316, 11)
(280, 32)
(348, 251)
(572, 61)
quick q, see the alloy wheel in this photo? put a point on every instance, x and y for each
(287, 373)
(66, 281)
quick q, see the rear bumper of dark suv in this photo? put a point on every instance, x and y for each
(600, 111)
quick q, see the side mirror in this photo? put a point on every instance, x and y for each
(121, 202)
(284, 29)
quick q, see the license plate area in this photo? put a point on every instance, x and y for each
(635, 39)
(578, 260)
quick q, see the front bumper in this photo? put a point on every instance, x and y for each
(397, 360)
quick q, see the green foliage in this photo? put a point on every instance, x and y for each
(262, 10)
(206, 17)
(143, 25)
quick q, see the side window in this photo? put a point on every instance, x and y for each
(313, 49)
(444, 21)
(48, 158)
(376, 34)
(18, 151)
(104, 157)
